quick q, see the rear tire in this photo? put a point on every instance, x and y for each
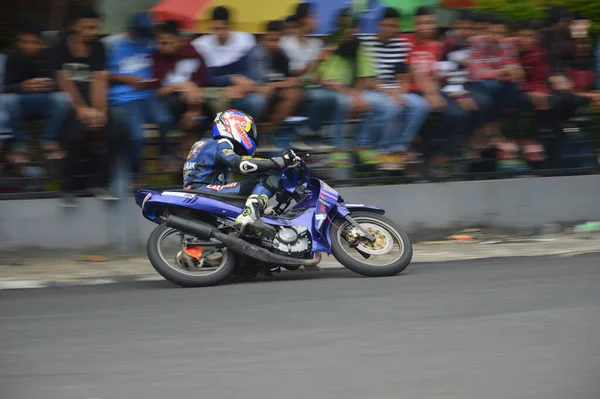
(179, 276)
(340, 253)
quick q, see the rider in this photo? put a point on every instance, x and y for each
(208, 164)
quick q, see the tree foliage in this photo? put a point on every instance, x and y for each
(537, 9)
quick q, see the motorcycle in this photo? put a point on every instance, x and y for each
(309, 218)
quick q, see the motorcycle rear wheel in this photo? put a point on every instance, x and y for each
(178, 275)
(388, 234)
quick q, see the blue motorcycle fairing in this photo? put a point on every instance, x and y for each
(322, 203)
(192, 201)
(364, 208)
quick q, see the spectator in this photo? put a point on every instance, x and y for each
(456, 39)
(181, 73)
(554, 100)
(349, 73)
(389, 55)
(557, 40)
(306, 54)
(226, 55)
(290, 26)
(92, 128)
(454, 74)
(422, 63)
(303, 50)
(581, 70)
(270, 69)
(494, 65)
(133, 88)
(31, 91)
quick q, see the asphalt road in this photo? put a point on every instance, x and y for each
(504, 328)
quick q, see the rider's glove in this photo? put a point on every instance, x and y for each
(289, 158)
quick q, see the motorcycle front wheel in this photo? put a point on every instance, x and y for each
(388, 255)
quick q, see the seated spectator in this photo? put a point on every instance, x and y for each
(454, 74)
(349, 73)
(543, 92)
(302, 49)
(181, 73)
(226, 55)
(133, 89)
(32, 92)
(290, 26)
(423, 62)
(557, 40)
(270, 69)
(389, 54)
(306, 55)
(581, 71)
(91, 139)
(494, 66)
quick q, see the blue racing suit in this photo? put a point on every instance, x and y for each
(208, 164)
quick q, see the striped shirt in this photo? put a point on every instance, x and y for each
(387, 57)
(453, 72)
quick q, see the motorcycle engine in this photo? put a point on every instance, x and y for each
(294, 241)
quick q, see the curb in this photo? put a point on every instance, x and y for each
(91, 281)
(29, 284)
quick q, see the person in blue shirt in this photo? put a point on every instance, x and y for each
(209, 162)
(133, 87)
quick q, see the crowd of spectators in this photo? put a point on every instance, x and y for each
(425, 96)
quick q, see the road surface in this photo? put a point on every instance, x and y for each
(505, 328)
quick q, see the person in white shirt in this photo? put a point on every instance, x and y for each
(305, 54)
(226, 55)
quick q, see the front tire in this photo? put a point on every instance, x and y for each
(179, 276)
(388, 228)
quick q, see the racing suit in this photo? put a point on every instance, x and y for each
(207, 167)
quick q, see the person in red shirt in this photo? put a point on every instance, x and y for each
(180, 73)
(551, 95)
(440, 138)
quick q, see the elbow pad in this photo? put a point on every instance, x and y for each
(248, 165)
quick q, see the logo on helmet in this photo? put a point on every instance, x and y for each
(246, 140)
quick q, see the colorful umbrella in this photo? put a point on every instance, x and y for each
(247, 16)
(370, 11)
(184, 11)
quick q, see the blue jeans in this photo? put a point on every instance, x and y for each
(504, 94)
(378, 119)
(318, 105)
(140, 112)
(253, 104)
(53, 106)
(413, 115)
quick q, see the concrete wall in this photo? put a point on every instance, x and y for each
(509, 204)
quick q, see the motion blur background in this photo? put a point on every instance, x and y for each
(473, 125)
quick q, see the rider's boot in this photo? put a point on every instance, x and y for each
(254, 210)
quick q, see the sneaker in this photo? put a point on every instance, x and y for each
(391, 162)
(68, 201)
(102, 194)
(340, 159)
(368, 157)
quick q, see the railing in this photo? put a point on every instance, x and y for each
(358, 175)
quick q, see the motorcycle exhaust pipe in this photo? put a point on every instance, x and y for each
(205, 232)
(192, 227)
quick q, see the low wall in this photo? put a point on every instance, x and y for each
(437, 207)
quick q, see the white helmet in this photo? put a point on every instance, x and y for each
(237, 127)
